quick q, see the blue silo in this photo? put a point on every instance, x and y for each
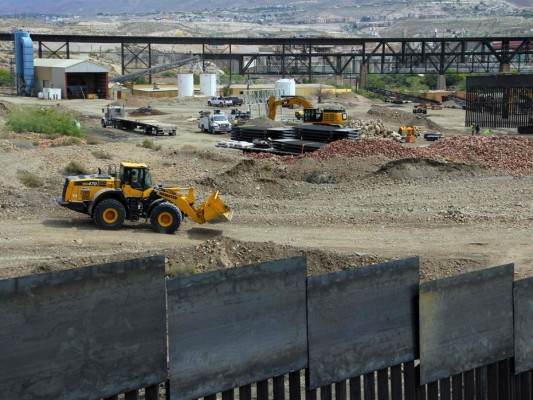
(24, 63)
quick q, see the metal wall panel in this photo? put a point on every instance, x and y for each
(523, 325)
(466, 321)
(85, 333)
(361, 320)
(499, 81)
(237, 326)
(499, 101)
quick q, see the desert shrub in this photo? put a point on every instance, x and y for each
(70, 141)
(75, 168)
(150, 144)
(4, 77)
(29, 179)
(102, 155)
(46, 120)
(175, 270)
(189, 147)
(93, 140)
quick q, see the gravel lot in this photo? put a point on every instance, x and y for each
(457, 216)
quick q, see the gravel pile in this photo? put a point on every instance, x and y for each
(399, 117)
(372, 129)
(511, 154)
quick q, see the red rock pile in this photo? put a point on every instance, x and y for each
(511, 154)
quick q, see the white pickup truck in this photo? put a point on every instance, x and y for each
(219, 102)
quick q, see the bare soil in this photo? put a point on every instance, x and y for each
(342, 212)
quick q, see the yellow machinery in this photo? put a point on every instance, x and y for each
(411, 132)
(112, 198)
(310, 114)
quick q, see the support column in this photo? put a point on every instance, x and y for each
(505, 68)
(363, 76)
(441, 82)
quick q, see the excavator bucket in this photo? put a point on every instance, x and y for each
(215, 211)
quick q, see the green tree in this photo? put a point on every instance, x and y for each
(4, 77)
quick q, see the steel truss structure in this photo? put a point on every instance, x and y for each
(307, 57)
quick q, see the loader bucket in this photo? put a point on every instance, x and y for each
(215, 211)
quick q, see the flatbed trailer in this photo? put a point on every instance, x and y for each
(115, 116)
(149, 127)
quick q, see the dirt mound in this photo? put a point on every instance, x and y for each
(396, 117)
(222, 252)
(247, 177)
(144, 113)
(263, 122)
(513, 155)
(416, 168)
(332, 170)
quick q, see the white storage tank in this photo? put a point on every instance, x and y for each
(286, 87)
(185, 85)
(208, 84)
(52, 94)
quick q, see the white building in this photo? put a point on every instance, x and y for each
(77, 79)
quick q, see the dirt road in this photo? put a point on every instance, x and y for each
(456, 220)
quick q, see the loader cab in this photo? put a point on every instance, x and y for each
(135, 176)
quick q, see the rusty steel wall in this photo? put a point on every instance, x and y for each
(361, 320)
(85, 333)
(466, 321)
(236, 326)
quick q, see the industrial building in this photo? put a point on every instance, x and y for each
(77, 79)
(54, 78)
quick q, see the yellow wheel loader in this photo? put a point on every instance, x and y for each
(128, 194)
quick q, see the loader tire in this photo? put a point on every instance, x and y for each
(109, 214)
(165, 218)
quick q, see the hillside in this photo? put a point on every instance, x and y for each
(82, 7)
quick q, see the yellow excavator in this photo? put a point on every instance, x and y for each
(310, 114)
(109, 199)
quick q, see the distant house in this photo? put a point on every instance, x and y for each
(77, 79)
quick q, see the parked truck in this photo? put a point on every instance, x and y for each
(115, 116)
(235, 101)
(214, 121)
(219, 102)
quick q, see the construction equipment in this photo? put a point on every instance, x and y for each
(431, 106)
(410, 132)
(115, 116)
(238, 117)
(419, 109)
(128, 194)
(312, 115)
